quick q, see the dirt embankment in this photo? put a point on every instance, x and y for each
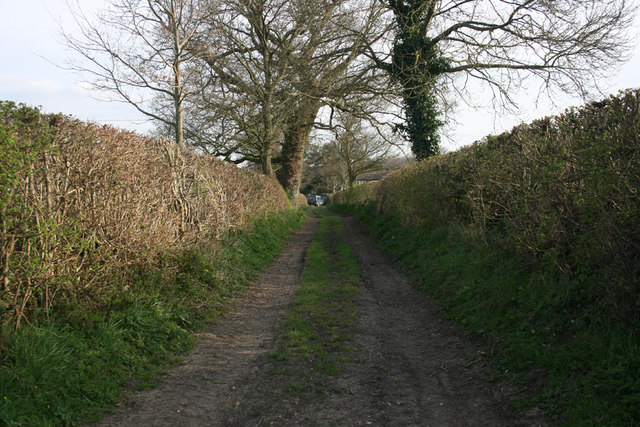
(408, 368)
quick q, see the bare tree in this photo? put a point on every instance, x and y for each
(333, 160)
(321, 173)
(282, 61)
(566, 44)
(331, 71)
(138, 50)
(244, 50)
(356, 150)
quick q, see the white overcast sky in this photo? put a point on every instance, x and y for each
(30, 48)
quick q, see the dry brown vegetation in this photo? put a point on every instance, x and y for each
(83, 206)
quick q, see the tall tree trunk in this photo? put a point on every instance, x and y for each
(266, 158)
(266, 154)
(178, 93)
(296, 136)
(179, 125)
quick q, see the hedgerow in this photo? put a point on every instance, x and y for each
(563, 191)
(531, 240)
(85, 208)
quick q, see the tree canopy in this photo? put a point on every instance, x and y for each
(255, 77)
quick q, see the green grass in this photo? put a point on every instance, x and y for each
(548, 334)
(69, 367)
(316, 339)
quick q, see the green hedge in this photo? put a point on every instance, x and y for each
(562, 191)
(69, 367)
(531, 240)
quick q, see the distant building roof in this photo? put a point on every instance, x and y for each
(370, 176)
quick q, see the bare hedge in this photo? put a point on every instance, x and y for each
(82, 206)
(563, 190)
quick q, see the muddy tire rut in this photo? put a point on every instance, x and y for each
(408, 368)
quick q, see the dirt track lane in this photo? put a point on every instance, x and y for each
(422, 371)
(410, 368)
(231, 350)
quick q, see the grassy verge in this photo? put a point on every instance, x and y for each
(580, 366)
(316, 339)
(68, 367)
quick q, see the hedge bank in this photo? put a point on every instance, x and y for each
(550, 215)
(84, 206)
(114, 249)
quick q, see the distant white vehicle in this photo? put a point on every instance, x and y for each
(316, 200)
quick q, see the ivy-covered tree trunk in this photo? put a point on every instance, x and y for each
(417, 63)
(422, 121)
(296, 136)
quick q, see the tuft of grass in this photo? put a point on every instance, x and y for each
(316, 338)
(69, 367)
(547, 334)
